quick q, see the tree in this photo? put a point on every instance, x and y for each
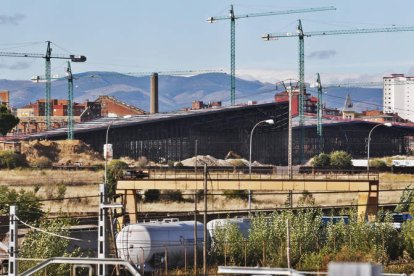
(322, 160)
(41, 245)
(340, 160)
(115, 172)
(28, 204)
(7, 120)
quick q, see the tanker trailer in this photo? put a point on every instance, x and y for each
(147, 244)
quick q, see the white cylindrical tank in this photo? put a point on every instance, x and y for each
(243, 224)
(146, 243)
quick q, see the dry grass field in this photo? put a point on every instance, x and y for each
(50, 184)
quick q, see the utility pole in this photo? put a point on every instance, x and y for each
(195, 230)
(13, 242)
(288, 243)
(102, 229)
(320, 110)
(205, 223)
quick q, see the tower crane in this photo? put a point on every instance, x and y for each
(69, 76)
(301, 35)
(176, 72)
(47, 56)
(232, 17)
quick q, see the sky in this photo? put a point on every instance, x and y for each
(173, 35)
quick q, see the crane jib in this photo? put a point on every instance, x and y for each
(73, 58)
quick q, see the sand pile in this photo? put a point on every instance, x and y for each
(62, 152)
(211, 161)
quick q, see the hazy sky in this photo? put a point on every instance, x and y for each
(165, 35)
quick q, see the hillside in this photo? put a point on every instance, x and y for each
(175, 91)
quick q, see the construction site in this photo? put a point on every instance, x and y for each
(287, 186)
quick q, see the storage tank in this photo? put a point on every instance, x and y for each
(145, 243)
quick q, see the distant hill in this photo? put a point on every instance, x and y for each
(175, 92)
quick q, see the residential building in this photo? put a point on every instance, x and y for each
(398, 96)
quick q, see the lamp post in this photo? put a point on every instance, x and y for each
(106, 152)
(369, 140)
(269, 122)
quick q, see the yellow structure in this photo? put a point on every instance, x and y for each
(366, 187)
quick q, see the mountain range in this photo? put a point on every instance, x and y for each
(177, 92)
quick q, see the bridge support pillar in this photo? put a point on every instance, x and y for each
(368, 202)
(129, 200)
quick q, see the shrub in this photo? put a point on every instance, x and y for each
(41, 162)
(172, 195)
(340, 160)
(61, 190)
(179, 165)
(115, 172)
(152, 195)
(236, 194)
(321, 160)
(377, 163)
(11, 160)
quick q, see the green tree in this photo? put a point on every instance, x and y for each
(405, 205)
(322, 160)
(115, 172)
(7, 120)
(11, 160)
(41, 245)
(340, 160)
(28, 204)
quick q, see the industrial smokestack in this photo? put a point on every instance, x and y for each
(154, 94)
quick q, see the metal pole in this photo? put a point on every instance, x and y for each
(106, 152)
(288, 243)
(369, 140)
(196, 154)
(290, 135)
(195, 231)
(102, 230)
(13, 242)
(250, 161)
(205, 223)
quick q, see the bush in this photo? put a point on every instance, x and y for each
(115, 172)
(152, 195)
(11, 160)
(377, 163)
(172, 195)
(340, 160)
(321, 160)
(236, 194)
(41, 162)
(61, 190)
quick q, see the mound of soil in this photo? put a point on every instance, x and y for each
(62, 152)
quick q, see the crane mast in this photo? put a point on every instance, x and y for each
(70, 101)
(232, 17)
(48, 84)
(232, 57)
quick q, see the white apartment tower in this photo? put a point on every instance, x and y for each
(398, 96)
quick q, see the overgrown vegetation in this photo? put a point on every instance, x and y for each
(114, 172)
(313, 243)
(41, 245)
(336, 160)
(236, 194)
(7, 120)
(11, 160)
(28, 204)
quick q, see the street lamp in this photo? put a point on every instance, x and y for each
(369, 140)
(269, 122)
